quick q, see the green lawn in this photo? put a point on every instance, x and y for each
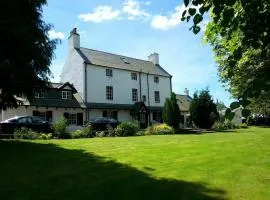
(231, 165)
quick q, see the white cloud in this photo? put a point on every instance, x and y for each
(133, 9)
(101, 13)
(56, 35)
(164, 22)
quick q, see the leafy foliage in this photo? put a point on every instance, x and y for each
(240, 37)
(126, 129)
(60, 128)
(171, 111)
(26, 50)
(25, 133)
(203, 110)
(160, 129)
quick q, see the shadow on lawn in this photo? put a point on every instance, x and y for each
(46, 171)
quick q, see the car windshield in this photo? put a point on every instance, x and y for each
(37, 119)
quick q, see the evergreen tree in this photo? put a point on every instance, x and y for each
(203, 110)
(26, 51)
(171, 112)
(167, 112)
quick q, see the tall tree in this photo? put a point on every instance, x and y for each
(239, 32)
(171, 112)
(175, 111)
(203, 110)
(26, 51)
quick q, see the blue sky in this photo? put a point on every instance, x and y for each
(137, 28)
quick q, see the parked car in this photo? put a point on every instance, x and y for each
(102, 123)
(35, 123)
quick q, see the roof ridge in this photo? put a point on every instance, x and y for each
(116, 54)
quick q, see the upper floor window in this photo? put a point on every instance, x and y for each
(109, 92)
(144, 98)
(157, 97)
(134, 95)
(134, 76)
(39, 94)
(109, 72)
(156, 79)
(66, 94)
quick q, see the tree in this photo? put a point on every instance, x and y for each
(240, 36)
(167, 112)
(261, 105)
(171, 111)
(25, 51)
(203, 110)
(175, 111)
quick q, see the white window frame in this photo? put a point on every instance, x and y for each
(109, 93)
(144, 98)
(156, 79)
(72, 118)
(157, 96)
(134, 76)
(39, 94)
(134, 94)
(109, 72)
(66, 94)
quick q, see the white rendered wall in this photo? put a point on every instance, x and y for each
(56, 113)
(122, 86)
(73, 71)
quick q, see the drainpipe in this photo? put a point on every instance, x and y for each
(140, 85)
(148, 98)
(171, 84)
(85, 90)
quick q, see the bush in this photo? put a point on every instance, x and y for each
(60, 128)
(44, 136)
(110, 131)
(25, 133)
(126, 129)
(100, 134)
(160, 129)
(243, 125)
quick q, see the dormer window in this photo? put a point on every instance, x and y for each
(66, 94)
(156, 79)
(39, 94)
(109, 72)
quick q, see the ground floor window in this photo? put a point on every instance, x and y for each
(157, 116)
(74, 118)
(44, 115)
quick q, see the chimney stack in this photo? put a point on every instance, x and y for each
(154, 58)
(186, 92)
(73, 40)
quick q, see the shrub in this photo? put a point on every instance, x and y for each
(243, 125)
(44, 136)
(126, 129)
(100, 134)
(219, 126)
(110, 131)
(76, 134)
(160, 129)
(25, 133)
(140, 133)
(60, 128)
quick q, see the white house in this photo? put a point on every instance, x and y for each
(56, 101)
(117, 86)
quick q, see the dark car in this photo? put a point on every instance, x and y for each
(102, 123)
(35, 123)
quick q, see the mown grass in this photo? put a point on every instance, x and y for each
(231, 165)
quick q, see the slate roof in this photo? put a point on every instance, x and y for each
(183, 102)
(105, 59)
(53, 98)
